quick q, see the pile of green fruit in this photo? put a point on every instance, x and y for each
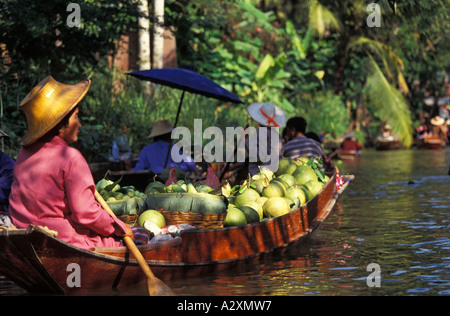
(123, 200)
(185, 197)
(268, 194)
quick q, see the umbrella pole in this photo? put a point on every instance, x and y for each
(175, 125)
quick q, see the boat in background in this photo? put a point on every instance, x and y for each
(433, 143)
(348, 154)
(387, 143)
(39, 262)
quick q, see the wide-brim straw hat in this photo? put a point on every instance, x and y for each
(437, 121)
(160, 128)
(48, 103)
(267, 114)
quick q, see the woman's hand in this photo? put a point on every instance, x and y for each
(128, 232)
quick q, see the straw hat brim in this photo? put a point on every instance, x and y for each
(161, 128)
(255, 113)
(48, 103)
(437, 121)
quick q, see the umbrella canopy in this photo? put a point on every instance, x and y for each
(186, 80)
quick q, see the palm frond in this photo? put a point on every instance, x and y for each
(390, 102)
(392, 63)
(322, 19)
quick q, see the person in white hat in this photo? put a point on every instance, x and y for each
(271, 118)
(153, 156)
(439, 129)
(53, 185)
(6, 177)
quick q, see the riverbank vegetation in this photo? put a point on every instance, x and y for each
(325, 60)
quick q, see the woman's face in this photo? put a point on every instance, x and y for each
(70, 132)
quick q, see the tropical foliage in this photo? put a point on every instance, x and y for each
(318, 58)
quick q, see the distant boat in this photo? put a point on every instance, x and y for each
(387, 143)
(348, 154)
(434, 143)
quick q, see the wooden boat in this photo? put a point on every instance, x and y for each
(385, 143)
(434, 143)
(41, 263)
(348, 154)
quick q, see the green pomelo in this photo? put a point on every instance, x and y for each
(235, 217)
(301, 161)
(155, 187)
(289, 201)
(280, 180)
(275, 189)
(191, 188)
(256, 206)
(247, 196)
(303, 174)
(314, 186)
(288, 179)
(295, 192)
(275, 206)
(250, 213)
(102, 184)
(261, 200)
(286, 166)
(308, 194)
(260, 184)
(152, 216)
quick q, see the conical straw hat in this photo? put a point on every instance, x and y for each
(48, 103)
(160, 128)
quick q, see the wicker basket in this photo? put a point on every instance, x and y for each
(129, 219)
(199, 220)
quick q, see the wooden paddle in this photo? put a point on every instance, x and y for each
(155, 286)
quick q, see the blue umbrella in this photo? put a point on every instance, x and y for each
(186, 80)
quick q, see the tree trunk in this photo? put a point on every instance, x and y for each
(144, 35)
(341, 60)
(158, 34)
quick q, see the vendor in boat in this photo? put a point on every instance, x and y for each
(350, 144)
(438, 128)
(268, 116)
(6, 177)
(53, 185)
(298, 144)
(153, 156)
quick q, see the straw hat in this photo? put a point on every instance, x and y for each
(48, 103)
(437, 121)
(160, 128)
(349, 135)
(267, 114)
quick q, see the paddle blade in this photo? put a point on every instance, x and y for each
(156, 287)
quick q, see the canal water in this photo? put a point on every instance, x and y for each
(389, 234)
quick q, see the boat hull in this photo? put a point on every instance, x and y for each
(41, 263)
(433, 143)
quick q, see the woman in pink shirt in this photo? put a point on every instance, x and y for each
(53, 185)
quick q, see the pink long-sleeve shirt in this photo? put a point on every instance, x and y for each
(53, 187)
